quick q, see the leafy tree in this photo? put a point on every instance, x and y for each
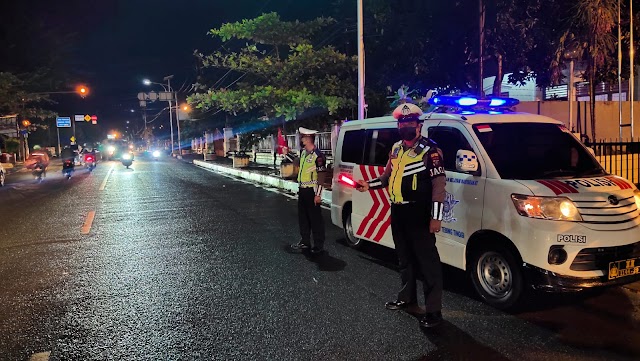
(591, 28)
(19, 95)
(280, 74)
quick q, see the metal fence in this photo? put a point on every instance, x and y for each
(619, 158)
(323, 142)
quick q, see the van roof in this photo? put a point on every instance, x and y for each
(471, 118)
(476, 118)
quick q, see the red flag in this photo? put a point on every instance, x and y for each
(282, 142)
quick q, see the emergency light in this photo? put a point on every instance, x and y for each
(468, 102)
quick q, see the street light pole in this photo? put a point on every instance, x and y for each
(570, 94)
(168, 79)
(619, 71)
(178, 125)
(361, 101)
(631, 65)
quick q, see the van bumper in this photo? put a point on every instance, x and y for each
(543, 280)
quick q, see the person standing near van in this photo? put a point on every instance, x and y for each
(311, 179)
(416, 180)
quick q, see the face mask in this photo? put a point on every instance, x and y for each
(407, 133)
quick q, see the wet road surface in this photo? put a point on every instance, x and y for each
(167, 261)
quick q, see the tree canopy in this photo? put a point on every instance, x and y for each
(279, 72)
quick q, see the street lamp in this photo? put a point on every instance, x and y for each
(169, 90)
(572, 53)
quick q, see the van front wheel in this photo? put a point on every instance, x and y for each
(349, 233)
(497, 277)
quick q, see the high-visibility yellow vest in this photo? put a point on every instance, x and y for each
(308, 175)
(410, 180)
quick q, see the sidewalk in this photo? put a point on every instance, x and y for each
(258, 173)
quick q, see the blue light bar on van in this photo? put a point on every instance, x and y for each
(472, 102)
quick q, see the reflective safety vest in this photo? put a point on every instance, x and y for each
(308, 174)
(410, 180)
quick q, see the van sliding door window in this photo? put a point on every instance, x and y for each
(449, 140)
(379, 144)
(353, 146)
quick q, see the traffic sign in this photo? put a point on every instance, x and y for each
(94, 117)
(87, 118)
(72, 139)
(78, 117)
(63, 122)
(94, 121)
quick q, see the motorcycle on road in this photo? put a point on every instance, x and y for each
(90, 161)
(68, 167)
(127, 160)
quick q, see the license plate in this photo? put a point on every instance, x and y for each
(624, 268)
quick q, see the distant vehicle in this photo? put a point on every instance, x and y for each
(112, 149)
(127, 159)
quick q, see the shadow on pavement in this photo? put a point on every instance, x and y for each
(455, 280)
(454, 344)
(324, 260)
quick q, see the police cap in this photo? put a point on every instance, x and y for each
(407, 113)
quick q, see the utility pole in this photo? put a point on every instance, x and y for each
(631, 64)
(168, 79)
(481, 51)
(178, 124)
(619, 71)
(361, 100)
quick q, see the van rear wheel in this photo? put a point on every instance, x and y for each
(349, 234)
(497, 277)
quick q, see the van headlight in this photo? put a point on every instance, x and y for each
(551, 208)
(636, 193)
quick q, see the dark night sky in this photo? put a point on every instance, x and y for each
(117, 43)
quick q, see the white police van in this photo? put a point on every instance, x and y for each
(527, 204)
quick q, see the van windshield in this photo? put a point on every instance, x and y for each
(536, 151)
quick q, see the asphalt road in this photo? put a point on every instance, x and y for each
(167, 261)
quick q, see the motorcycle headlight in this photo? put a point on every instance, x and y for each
(550, 208)
(156, 153)
(636, 193)
(111, 149)
(126, 156)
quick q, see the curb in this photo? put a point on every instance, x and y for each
(268, 180)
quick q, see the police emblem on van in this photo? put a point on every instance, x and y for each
(449, 203)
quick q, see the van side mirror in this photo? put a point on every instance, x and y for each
(466, 161)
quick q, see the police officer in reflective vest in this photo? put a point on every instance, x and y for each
(416, 180)
(311, 178)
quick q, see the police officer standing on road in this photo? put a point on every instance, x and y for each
(416, 180)
(311, 179)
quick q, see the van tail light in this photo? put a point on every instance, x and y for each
(344, 179)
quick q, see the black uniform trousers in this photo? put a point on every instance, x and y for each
(417, 253)
(310, 218)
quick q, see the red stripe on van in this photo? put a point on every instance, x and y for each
(372, 211)
(619, 182)
(551, 186)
